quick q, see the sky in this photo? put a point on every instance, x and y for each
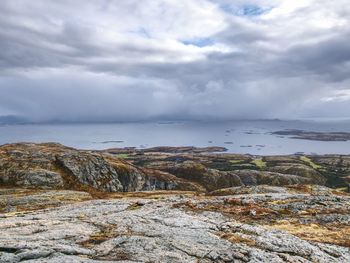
(132, 60)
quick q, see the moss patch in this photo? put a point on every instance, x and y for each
(259, 163)
(308, 161)
(236, 161)
(122, 156)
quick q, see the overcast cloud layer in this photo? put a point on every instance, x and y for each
(118, 60)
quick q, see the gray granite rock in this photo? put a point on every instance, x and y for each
(156, 231)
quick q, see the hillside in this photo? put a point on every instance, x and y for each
(182, 204)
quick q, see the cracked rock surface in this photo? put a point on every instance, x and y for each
(177, 228)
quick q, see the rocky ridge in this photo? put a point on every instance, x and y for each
(54, 166)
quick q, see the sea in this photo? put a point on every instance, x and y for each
(245, 136)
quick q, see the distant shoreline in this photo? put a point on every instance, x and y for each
(244, 137)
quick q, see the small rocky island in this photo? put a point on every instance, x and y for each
(171, 204)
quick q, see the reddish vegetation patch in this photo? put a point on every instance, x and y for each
(236, 238)
(337, 234)
(103, 235)
(233, 207)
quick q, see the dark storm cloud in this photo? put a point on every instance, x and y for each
(132, 60)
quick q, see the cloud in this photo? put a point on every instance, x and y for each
(168, 59)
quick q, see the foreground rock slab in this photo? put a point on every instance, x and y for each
(174, 228)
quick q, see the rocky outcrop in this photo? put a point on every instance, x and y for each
(142, 179)
(32, 177)
(156, 179)
(54, 166)
(89, 169)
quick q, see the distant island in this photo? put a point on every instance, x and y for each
(315, 136)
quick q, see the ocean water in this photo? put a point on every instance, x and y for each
(252, 137)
